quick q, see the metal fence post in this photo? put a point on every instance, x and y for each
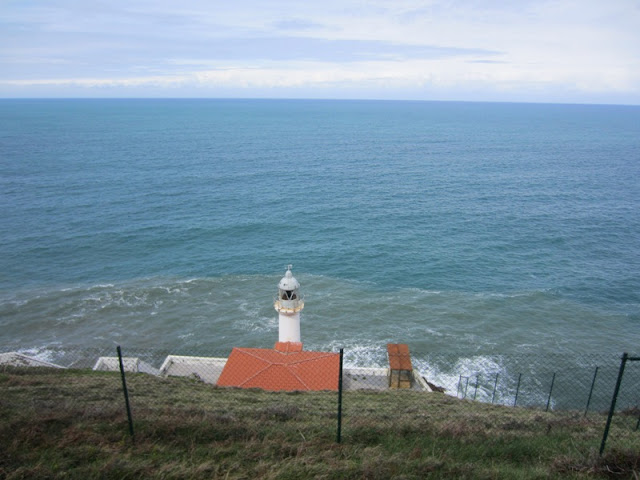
(495, 385)
(475, 392)
(553, 379)
(126, 392)
(515, 402)
(623, 362)
(460, 390)
(339, 436)
(595, 374)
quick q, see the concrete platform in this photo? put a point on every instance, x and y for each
(357, 378)
(207, 369)
(16, 359)
(130, 364)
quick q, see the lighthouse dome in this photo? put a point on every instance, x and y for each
(289, 282)
(289, 304)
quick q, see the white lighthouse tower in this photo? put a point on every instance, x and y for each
(289, 304)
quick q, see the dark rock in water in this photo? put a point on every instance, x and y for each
(434, 387)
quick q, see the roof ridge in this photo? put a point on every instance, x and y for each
(298, 377)
(256, 374)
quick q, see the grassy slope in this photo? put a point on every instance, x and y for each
(72, 424)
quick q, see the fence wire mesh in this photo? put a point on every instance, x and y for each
(443, 396)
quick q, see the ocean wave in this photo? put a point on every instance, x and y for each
(337, 311)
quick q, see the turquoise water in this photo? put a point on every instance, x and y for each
(468, 229)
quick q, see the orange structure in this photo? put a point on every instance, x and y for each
(288, 347)
(399, 365)
(285, 368)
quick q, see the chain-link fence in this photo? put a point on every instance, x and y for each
(257, 393)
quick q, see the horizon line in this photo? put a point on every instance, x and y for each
(321, 99)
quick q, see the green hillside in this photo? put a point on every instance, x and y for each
(72, 424)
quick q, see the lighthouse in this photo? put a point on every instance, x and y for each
(289, 304)
(285, 367)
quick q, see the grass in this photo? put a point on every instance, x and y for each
(72, 424)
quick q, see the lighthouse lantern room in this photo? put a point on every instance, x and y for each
(289, 304)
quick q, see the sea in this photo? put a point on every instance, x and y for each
(473, 232)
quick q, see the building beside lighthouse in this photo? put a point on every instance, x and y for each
(286, 367)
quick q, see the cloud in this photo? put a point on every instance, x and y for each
(442, 73)
(296, 24)
(487, 61)
(337, 51)
(478, 47)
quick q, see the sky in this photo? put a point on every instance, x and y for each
(561, 51)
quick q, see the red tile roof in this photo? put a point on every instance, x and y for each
(288, 347)
(281, 370)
